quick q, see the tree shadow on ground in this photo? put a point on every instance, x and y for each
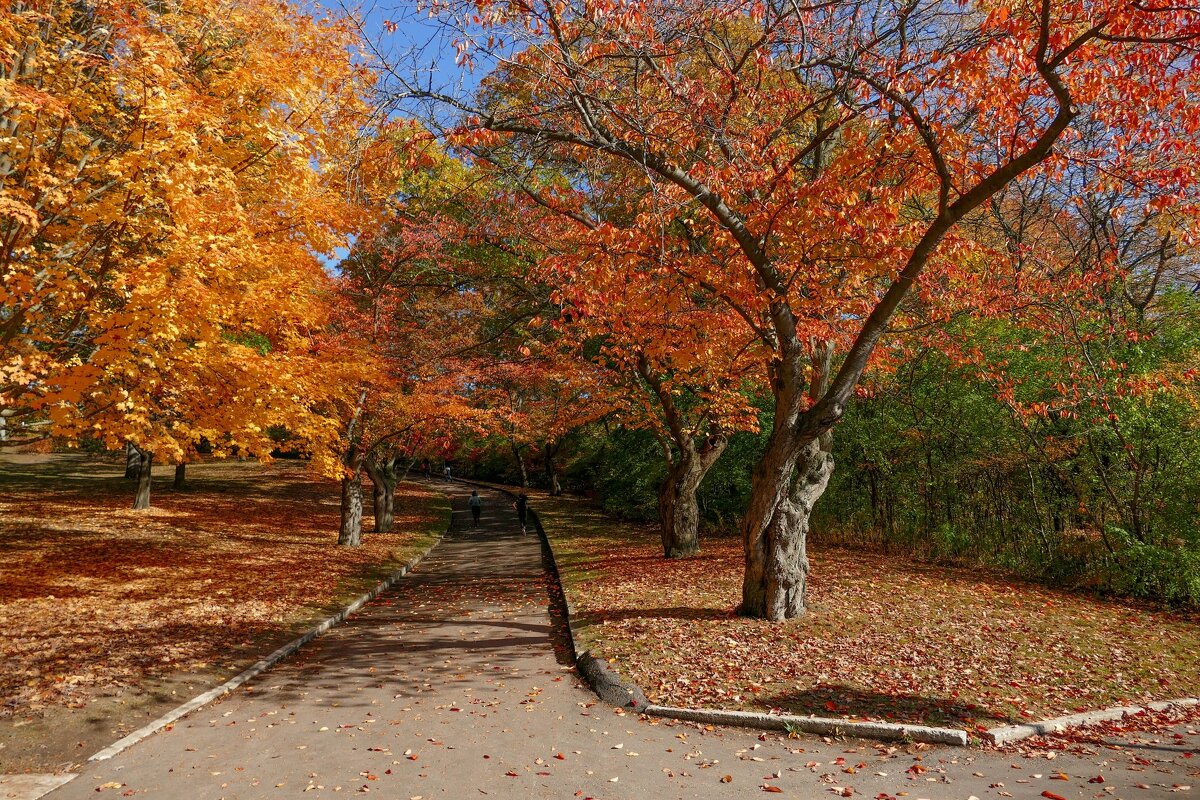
(838, 700)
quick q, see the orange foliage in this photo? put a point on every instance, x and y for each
(168, 175)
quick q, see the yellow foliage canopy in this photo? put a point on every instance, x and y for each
(169, 175)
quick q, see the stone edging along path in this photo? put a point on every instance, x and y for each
(610, 687)
(265, 663)
(1007, 734)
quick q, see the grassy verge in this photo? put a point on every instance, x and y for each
(885, 638)
(103, 606)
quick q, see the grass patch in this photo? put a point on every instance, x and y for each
(886, 638)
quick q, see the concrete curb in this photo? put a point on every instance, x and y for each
(826, 726)
(1008, 734)
(32, 787)
(605, 681)
(262, 665)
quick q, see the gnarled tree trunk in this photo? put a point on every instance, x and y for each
(776, 527)
(141, 500)
(350, 531)
(678, 509)
(788, 480)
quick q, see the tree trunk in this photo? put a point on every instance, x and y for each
(141, 500)
(388, 520)
(384, 479)
(678, 510)
(516, 451)
(133, 461)
(785, 487)
(350, 532)
(180, 476)
(378, 501)
(552, 472)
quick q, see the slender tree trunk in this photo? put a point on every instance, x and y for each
(516, 451)
(678, 509)
(350, 532)
(388, 519)
(180, 476)
(552, 472)
(141, 500)
(133, 461)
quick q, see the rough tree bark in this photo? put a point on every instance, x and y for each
(133, 461)
(788, 480)
(180, 481)
(775, 583)
(384, 480)
(141, 500)
(678, 509)
(350, 531)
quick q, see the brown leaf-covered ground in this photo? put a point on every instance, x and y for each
(885, 639)
(96, 598)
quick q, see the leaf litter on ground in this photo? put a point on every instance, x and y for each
(96, 597)
(886, 638)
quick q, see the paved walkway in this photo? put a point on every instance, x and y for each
(450, 686)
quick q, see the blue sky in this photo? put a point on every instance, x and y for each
(416, 46)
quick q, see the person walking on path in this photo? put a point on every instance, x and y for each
(475, 503)
(522, 507)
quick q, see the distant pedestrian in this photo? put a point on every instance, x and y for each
(522, 507)
(425, 468)
(475, 503)
(446, 470)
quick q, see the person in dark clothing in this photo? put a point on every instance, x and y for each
(475, 503)
(522, 507)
